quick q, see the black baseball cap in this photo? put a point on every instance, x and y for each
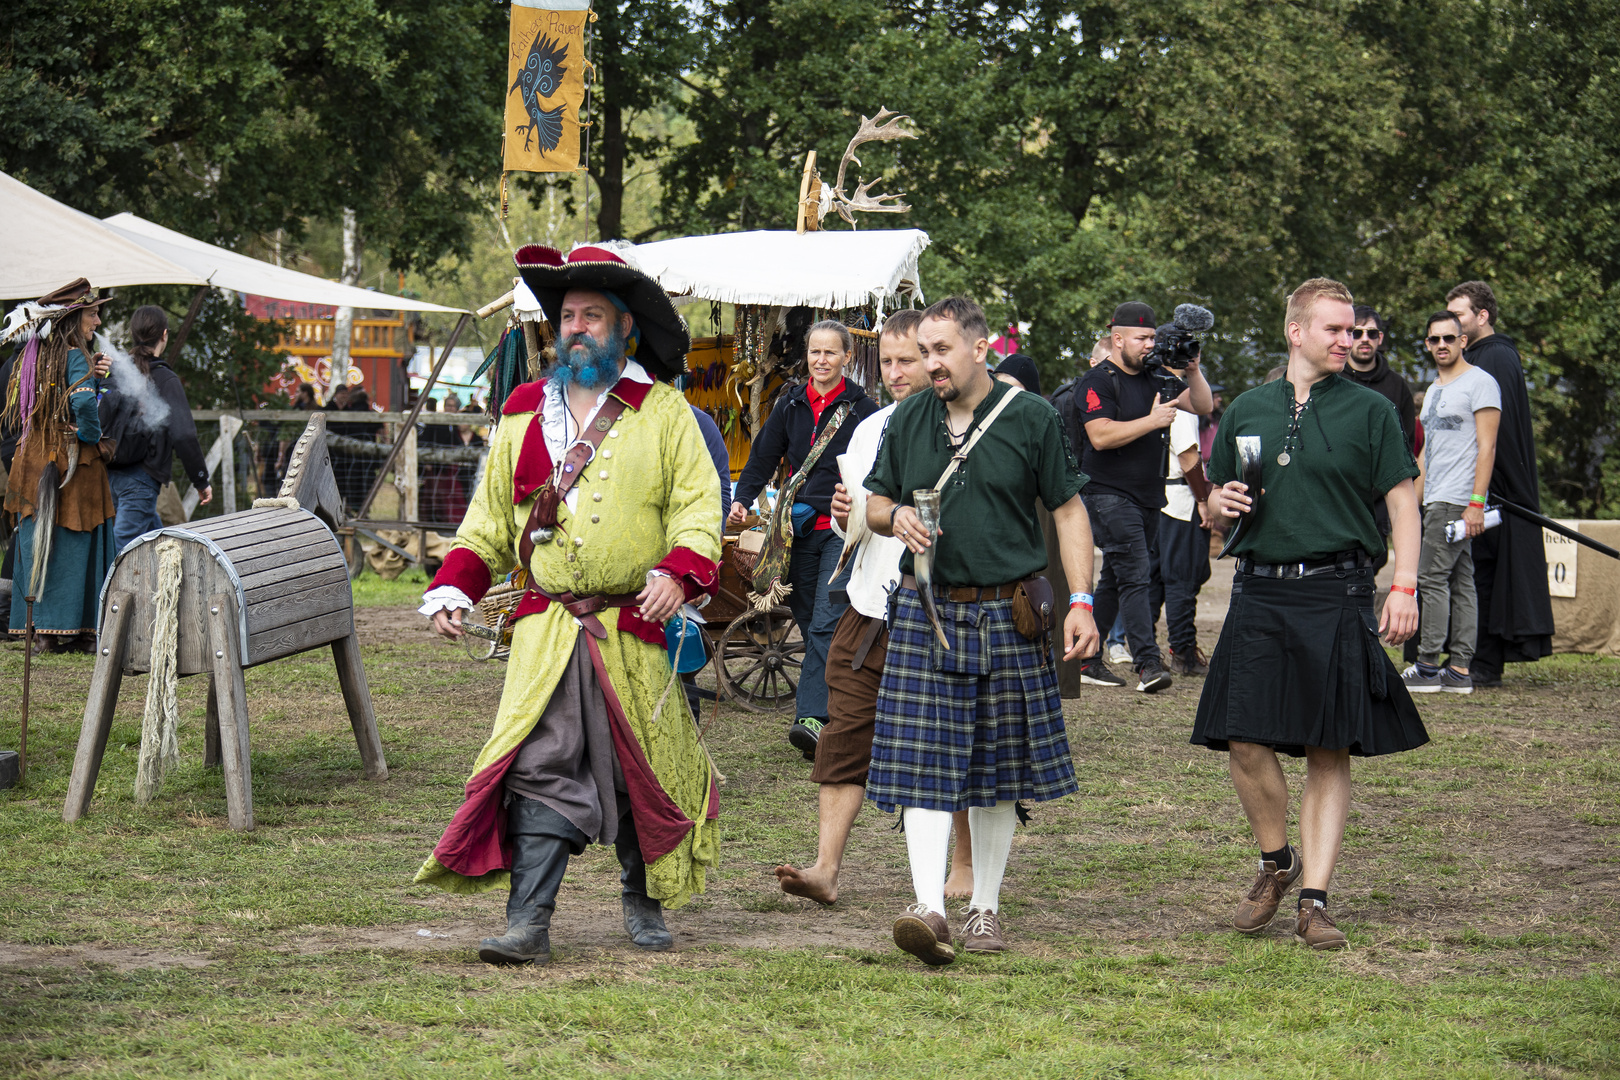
(1134, 313)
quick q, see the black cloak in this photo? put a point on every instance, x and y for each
(1510, 564)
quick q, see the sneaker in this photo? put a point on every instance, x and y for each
(1485, 677)
(1259, 907)
(1153, 678)
(805, 734)
(1419, 683)
(1194, 663)
(1095, 673)
(982, 932)
(1119, 654)
(1317, 930)
(924, 934)
(1454, 682)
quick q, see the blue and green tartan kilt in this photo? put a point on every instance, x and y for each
(971, 726)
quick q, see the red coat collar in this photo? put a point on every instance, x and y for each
(529, 397)
(534, 463)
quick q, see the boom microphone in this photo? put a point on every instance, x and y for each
(1195, 319)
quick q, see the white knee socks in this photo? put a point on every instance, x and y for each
(992, 828)
(928, 840)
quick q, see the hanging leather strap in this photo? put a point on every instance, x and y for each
(569, 470)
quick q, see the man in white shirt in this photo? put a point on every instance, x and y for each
(860, 641)
(1181, 552)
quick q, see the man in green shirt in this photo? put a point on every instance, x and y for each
(977, 725)
(1299, 667)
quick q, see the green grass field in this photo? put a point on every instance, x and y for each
(1479, 889)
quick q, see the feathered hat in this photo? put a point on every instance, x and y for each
(32, 315)
(664, 339)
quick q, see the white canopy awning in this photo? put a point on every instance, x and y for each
(46, 244)
(818, 269)
(226, 269)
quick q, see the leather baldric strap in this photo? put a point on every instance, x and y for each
(565, 473)
(965, 594)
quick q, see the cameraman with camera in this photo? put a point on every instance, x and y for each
(1126, 405)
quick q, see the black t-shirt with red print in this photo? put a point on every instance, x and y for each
(1135, 470)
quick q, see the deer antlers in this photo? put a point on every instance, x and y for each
(884, 127)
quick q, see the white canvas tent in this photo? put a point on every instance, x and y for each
(48, 244)
(225, 269)
(818, 269)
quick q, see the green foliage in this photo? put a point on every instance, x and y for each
(229, 123)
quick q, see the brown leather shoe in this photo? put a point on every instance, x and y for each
(1316, 929)
(925, 935)
(1265, 895)
(1196, 664)
(982, 932)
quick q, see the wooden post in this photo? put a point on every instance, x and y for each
(227, 464)
(413, 483)
(215, 455)
(357, 699)
(231, 692)
(98, 707)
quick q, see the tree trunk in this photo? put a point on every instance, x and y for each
(343, 322)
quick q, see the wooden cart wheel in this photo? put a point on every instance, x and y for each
(756, 665)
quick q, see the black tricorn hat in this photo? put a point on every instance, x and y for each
(664, 339)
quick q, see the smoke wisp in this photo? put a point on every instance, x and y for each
(151, 411)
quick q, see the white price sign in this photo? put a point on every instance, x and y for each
(1561, 551)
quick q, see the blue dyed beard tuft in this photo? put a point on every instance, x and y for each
(593, 366)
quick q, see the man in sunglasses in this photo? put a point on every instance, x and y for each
(1460, 416)
(1369, 367)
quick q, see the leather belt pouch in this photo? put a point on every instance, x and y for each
(1032, 607)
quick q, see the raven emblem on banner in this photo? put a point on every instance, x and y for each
(542, 74)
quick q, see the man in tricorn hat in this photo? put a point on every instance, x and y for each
(599, 491)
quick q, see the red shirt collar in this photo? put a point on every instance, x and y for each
(819, 402)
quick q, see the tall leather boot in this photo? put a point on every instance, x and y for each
(643, 916)
(542, 840)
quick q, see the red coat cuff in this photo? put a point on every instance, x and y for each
(697, 575)
(466, 571)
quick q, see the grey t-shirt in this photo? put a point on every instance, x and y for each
(1450, 446)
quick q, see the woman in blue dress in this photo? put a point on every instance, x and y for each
(52, 398)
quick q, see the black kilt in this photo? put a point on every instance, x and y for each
(1299, 664)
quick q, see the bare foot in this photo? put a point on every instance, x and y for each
(812, 883)
(959, 886)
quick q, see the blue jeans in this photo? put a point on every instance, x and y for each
(134, 493)
(814, 557)
(1126, 533)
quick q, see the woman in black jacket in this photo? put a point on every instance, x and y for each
(802, 412)
(153, 424)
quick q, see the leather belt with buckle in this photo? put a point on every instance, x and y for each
(1345, 560)
(584, 608)
(964, 594)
